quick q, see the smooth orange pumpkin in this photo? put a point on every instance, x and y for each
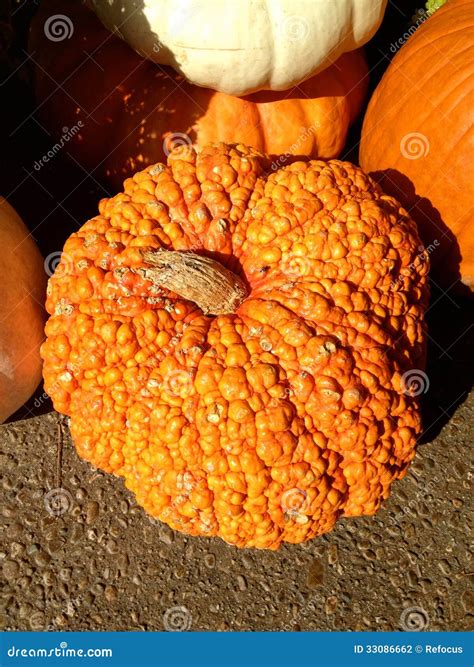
(128, 107)
(418, 137)
(22, 316)
(239, 346)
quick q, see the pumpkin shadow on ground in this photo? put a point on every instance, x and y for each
(450, 361)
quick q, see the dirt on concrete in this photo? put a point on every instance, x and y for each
(87, 557)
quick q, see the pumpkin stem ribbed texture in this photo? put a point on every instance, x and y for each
(205, 281)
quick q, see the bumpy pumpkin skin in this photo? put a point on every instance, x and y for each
(128, 106)
(418, 137)
(22, 315)
(267, 424)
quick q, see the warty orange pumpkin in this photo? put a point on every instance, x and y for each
(126, 113)
(418, 137)
(234, 343)
(22, 313)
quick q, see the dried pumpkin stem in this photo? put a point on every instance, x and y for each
(205, 281)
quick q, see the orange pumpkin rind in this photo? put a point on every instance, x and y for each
(263, 425)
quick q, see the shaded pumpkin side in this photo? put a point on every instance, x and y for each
(21, 312)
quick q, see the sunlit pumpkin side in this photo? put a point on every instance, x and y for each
(235, 343)
(418, 138)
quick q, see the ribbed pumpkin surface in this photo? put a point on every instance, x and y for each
(418, 137)
(263, 425)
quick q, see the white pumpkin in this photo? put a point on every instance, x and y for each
(240, 46)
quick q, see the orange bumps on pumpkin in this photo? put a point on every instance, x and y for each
(264, 422)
